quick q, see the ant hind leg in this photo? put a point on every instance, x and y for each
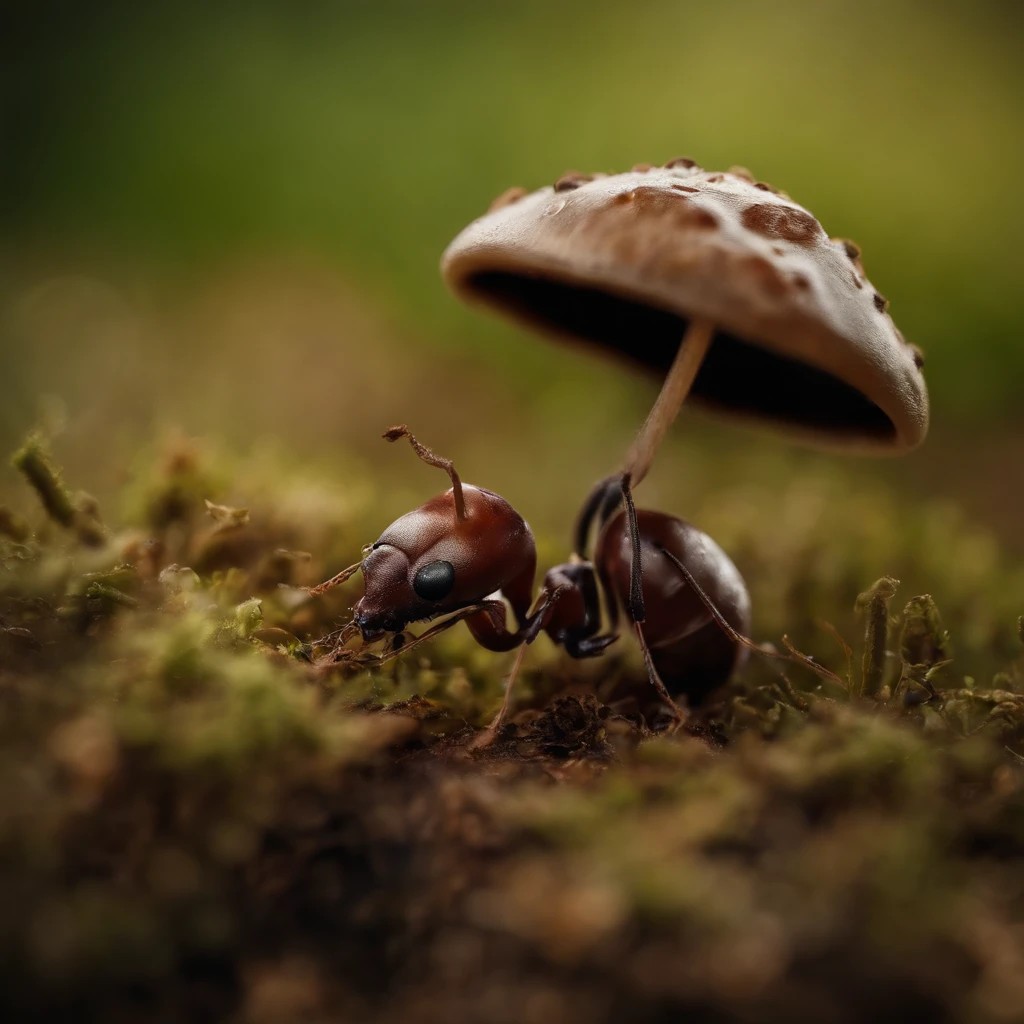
(635, 608)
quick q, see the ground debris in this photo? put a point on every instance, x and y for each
(200, 819)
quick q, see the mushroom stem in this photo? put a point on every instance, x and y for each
(681, 376)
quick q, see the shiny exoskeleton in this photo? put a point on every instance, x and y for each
(689, 649)
(458, 553)
(431, 562)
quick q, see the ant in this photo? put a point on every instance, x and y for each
(455, 553)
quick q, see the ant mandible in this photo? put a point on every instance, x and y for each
(454, 553)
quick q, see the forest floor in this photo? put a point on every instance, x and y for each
(205, 815)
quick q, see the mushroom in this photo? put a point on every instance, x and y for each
(720, 284)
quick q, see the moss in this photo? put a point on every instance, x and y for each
(874, 604)
(74, 512)
(207, 812)
(33, 461)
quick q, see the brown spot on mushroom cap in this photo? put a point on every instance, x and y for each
(642, 168)
(765, 187)
(696, 217)
(918, 356)
(774, 220)
(765, 273)
(507, 198)
(852, 249)
(682, 161)
(571, 180)
(669, 205)
(881, 302)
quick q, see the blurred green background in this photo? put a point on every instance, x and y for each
(228, 218)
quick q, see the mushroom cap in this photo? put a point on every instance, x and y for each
(802, 341)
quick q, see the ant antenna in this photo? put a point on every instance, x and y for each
(431, 459)
(334, 581)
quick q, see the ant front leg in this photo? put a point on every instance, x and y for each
(635, 605)
(535, 620)
(573, 613)
(600, 505)
(488, 627)
(589, 646)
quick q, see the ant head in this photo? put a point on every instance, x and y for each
(453, 551)
(394, 595)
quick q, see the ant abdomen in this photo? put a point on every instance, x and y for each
(689, 649)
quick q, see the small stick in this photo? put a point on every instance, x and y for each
(847, 651)
(431, 459)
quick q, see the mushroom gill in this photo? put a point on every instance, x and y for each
(736, 375)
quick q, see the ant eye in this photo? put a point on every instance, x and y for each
(434, 581)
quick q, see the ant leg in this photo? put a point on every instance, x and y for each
(595, 507)
(537, 618)
(577, 636)
(487, 624)
(334, 581)
(340, 636)
(738, 638)
(490, 734)
(678, 713)
(600, 505)
(375, 660)
(489, 629)
(465, 614)
(589, 647)
(518, 590)
(636, 609)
